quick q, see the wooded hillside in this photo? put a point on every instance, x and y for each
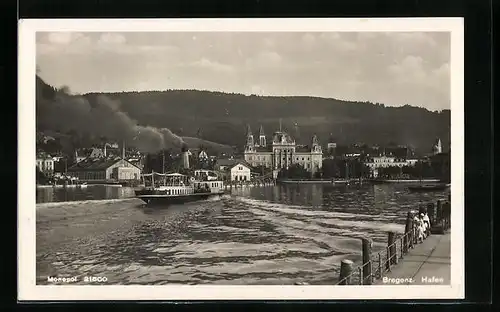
(222, 117)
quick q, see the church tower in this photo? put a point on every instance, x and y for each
(437, 148)
(315, 147)
(316, 156)
(250, 143)
(262, 137)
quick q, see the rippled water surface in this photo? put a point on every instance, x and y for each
(261, 235)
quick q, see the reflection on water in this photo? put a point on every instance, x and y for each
(263, 235)
(90, 192)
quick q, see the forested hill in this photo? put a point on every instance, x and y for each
(222, 117)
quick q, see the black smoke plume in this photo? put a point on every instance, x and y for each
(65, 112)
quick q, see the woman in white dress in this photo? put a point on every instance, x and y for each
(427, 223)
(420, 228)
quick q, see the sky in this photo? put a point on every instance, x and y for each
(394, 68)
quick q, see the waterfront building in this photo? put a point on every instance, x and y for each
(411, 161)
(45, 163)
(105, 169)
(240, 172)
(377, 162)
(282, 151)
(385, 162)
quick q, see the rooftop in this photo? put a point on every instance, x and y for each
(280, 137)
(43, 155)
(241, 162)
(302, 149)
(90, 164)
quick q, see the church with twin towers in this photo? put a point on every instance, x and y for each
(282, 151)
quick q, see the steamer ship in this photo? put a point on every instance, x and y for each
(177, 188)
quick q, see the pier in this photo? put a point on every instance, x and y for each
(240, 184)
(405, 261)
(266, 180)
(427, 263)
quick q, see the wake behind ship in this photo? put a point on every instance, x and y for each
(176, 188)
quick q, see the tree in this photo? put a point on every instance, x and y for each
(329, 168)
(409, 170)
(262, 170)
(41, 178)
(295, 171)
(64, 90)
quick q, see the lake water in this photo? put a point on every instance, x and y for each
(262, 235)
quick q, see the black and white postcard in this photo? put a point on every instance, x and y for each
(201, 159)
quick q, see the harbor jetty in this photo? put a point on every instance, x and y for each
(253, 183)
(319, 181)
(405, 260)
(305, 181)
(410, 180)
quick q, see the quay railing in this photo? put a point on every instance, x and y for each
(374, 266)
(256, 182)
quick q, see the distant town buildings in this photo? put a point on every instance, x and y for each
(97, 153)
(331, 146)
(45, 163)
(261, 155)
(385, 161)
(202, 156)
(224, 164)
(105, 169)
(80, 155)
(282, 152)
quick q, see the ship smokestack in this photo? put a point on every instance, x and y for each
(185, 156)
(123, 149)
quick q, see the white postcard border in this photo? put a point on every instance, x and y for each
(27, 288)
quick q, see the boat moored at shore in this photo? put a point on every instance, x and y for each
(429, 187)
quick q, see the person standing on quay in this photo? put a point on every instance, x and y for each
(427, 224)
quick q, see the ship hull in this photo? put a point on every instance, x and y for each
(152, 198)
